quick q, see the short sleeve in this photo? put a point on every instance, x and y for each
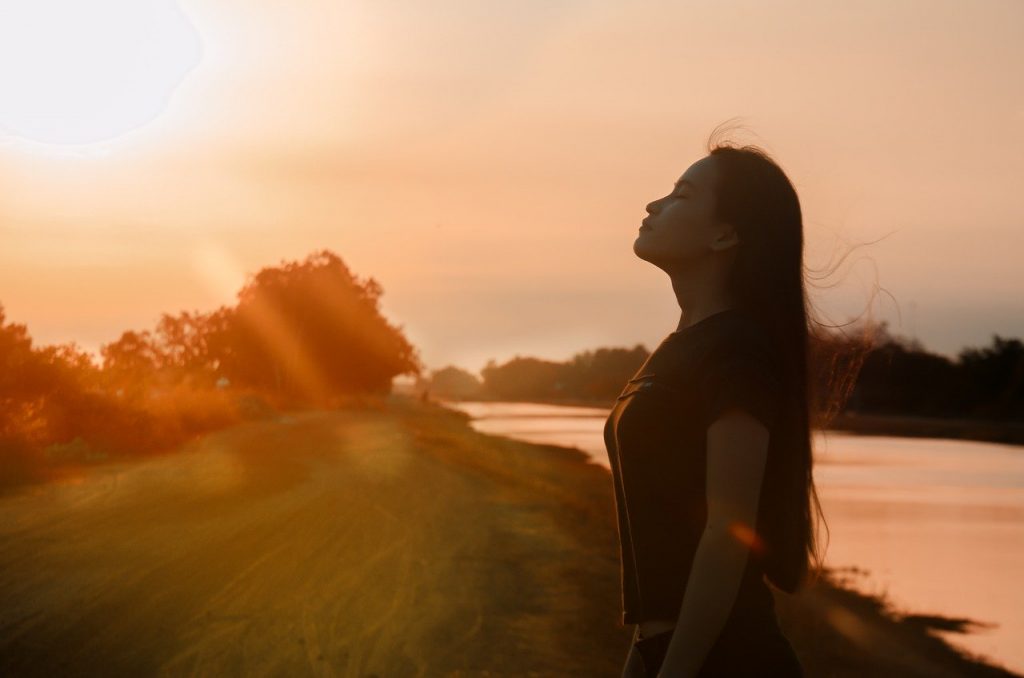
(742, 380)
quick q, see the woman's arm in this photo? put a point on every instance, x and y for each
(634, 667)
(737, 450)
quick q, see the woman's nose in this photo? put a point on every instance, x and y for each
(651, 206)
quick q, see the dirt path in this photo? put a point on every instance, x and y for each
(330, 544)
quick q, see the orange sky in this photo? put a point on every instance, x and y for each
(489, 164)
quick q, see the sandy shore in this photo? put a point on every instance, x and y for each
(391, 542)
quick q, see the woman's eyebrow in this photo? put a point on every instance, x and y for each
(685, 181)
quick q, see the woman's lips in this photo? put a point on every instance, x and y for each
(644, 226)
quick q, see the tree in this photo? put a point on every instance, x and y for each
(454, 382)
(311, 330)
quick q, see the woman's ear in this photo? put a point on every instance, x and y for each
(726, 238)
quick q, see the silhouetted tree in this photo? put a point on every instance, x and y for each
(130, 362)
(24, 378)
(996, 378)
(522, 378)
(601, 373)
(183, 344)
(311, 330)
(454, 382)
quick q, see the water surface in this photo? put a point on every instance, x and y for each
(935, 525)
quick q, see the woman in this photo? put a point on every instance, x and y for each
(709, 442)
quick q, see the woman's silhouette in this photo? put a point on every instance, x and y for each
(709, 442)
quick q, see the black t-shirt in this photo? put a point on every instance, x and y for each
(657, 448)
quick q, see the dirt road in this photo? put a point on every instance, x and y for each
(325, 544)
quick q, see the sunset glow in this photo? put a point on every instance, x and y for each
(331, 342)
(457, 155)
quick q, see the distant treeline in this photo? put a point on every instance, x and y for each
(896, 376)
(303, 334)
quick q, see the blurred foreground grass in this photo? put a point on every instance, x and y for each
(383, 540)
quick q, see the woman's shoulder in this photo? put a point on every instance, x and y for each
(741, 337)
(740, 330)
(741, 369)
(730, 337)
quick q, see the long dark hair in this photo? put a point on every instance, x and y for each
(768, 281)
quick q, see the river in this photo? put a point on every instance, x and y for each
(934, 525)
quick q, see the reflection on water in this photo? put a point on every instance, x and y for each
(935, 524)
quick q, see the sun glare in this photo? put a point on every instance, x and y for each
(74, 72)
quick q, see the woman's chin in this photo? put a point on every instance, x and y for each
(640, 248)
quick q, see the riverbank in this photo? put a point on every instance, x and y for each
(393, 540)
(1011, 433)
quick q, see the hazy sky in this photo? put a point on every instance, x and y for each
(489, 163)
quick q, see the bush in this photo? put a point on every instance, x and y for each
(20, 463)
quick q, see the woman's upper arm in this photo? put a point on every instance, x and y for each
(742, 401)
(737, 453)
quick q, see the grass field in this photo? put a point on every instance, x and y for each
(391, 541)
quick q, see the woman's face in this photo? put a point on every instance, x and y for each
(680, 227)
